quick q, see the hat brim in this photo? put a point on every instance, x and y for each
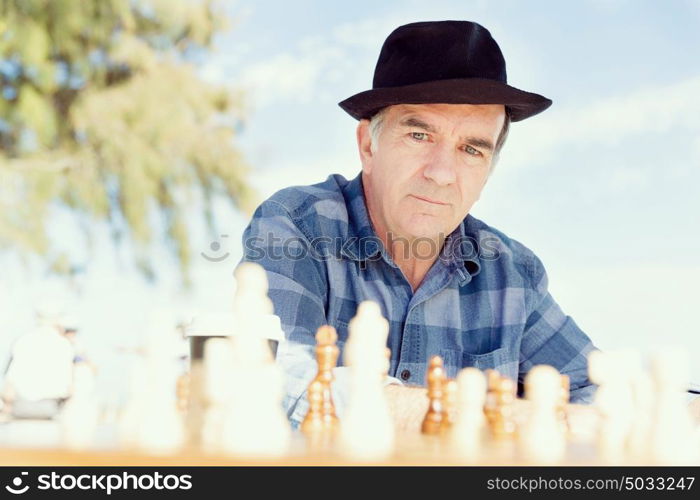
(520, 104)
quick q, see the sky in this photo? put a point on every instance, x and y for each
(603, 186)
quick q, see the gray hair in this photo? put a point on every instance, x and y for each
(377, 121)
(375, 128)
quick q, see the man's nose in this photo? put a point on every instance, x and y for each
(440, 166)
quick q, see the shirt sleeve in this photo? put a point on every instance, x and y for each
(298, 289)
(553, 338)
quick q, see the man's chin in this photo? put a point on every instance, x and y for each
(424, 231)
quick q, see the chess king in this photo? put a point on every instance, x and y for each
(400, 234)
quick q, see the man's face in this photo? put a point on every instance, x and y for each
(429, 165)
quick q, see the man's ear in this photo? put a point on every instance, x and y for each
(364, 143)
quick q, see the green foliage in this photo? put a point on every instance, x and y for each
(101, 111)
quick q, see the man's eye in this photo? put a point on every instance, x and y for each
(419, 136)
(472, 151)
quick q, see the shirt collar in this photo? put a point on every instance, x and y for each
(460, 251)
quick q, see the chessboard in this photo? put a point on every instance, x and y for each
(411, 449)
(230, 413)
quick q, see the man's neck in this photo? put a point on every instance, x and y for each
(413, 258)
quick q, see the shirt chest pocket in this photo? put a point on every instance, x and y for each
(500, 359)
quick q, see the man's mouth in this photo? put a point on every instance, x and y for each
(428, 200)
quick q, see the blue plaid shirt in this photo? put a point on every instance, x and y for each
(484, 302)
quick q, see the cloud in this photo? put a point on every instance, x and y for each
(313, 64)
(223, 63)
(342, 57)
(607, 121)
(368, 34)
(290, 76)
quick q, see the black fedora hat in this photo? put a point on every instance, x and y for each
(451, 62)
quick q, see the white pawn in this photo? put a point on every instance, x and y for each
(254, 423)
(130, 416)
(80, 414)
(673, 437)
(150, 421)
(613, 399)
(162, 428)
(643, 400)
(542, 438)
(251, 306)
(217, 392)
(469, 431)
(367, 429)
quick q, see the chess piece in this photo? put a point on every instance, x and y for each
(251, 306)
(315, 425)
(314, 422)
(327, 356)
(129, 416)
(613, 399)
(673, 437)
(216, 377)
(450, 405)
(254, 422)
(151, 421)
(565, 395)
(218, 327)
(80, 414)
(468, 432)
(643, 403)
(542, 438)
(493, 378)
(434, 417)
(503, 423)
(367, 430)
(162, 428)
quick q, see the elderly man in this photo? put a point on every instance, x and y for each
(400, 233)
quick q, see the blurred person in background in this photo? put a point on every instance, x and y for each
(39, 375)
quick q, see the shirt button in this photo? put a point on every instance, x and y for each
(405, 375)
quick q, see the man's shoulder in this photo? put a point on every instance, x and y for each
(300, 200)
(319, 208)
(497, 247)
